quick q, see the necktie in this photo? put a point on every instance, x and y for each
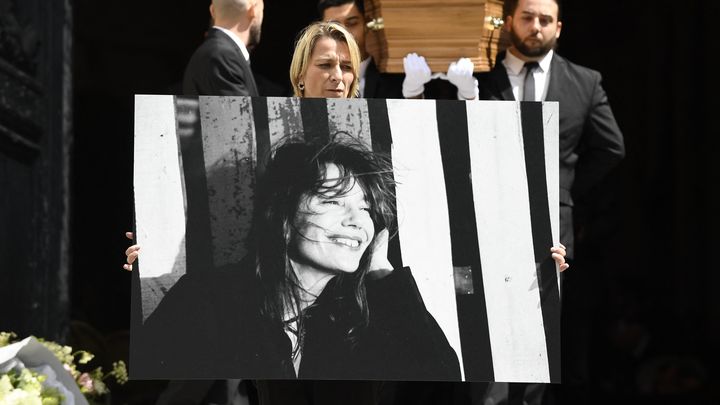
(529, 86)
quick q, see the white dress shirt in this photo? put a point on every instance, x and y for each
(363, 68)
(515, 68)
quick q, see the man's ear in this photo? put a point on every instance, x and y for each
(251, 10)
(508, 23)
(212, 12)
(559, 25)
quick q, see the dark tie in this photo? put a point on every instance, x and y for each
(529, 86)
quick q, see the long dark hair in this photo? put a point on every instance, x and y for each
(296, 171)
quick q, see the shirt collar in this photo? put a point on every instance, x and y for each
(516, 65)
(363, 66)
(237, 40)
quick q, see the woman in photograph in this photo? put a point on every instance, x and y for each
(317, 297)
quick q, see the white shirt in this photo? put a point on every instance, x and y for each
(363, 68)
(237, 40)
(515, 68)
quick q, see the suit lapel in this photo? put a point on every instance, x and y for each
(500, 78)
(557, 71)
(247, 71)
(371, 80)
(506, 88)
(252, 86)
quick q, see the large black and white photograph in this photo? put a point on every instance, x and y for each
(346, 239)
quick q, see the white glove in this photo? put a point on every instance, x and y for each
(460, 74)
(417, 73)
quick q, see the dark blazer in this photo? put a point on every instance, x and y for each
(209, 325)
(218, 68)
(382, 85)
(591, 142)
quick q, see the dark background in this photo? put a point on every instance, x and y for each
(646, 263)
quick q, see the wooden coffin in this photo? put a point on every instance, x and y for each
(441, 31)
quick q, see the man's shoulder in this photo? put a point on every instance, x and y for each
(494, 83)
(574, 69)
(217, 46)
(496, 72)
(497, 67)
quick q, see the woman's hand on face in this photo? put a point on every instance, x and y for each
(379, 260)
(132, 253)
(558, 254)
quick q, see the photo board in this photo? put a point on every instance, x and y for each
(477, 199)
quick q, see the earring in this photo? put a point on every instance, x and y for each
(301, 86)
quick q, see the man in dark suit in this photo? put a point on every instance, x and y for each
(221, 65)
(591, 142)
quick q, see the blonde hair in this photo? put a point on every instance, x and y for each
(306, 43)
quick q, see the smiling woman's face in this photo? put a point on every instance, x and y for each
(331, 231)
(329, 73)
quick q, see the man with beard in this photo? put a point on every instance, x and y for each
(591, 144)
(220, 66)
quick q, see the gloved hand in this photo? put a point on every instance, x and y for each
(460, 74)
(417, 73)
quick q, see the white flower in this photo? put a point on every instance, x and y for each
(20, 397)
(51, 381)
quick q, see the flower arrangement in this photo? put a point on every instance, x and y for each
(37, 371)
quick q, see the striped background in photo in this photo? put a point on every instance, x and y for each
(476, 193)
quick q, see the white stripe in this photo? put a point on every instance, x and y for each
(159, 207)
(500, 193)
(424, 226)
(350, 116)
(228, 134)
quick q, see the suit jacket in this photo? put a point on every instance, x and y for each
(591, 142)
(210, 325)
(382, 85)
(218, 68)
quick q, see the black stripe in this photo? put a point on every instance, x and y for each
(262, 134)
(136, 311)
(198, 239)
(472, 312)
(534, 147)
(381, 139)
(315, 118)
(381, 136)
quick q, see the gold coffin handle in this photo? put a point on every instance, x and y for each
(496, 22)
(376, 24)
